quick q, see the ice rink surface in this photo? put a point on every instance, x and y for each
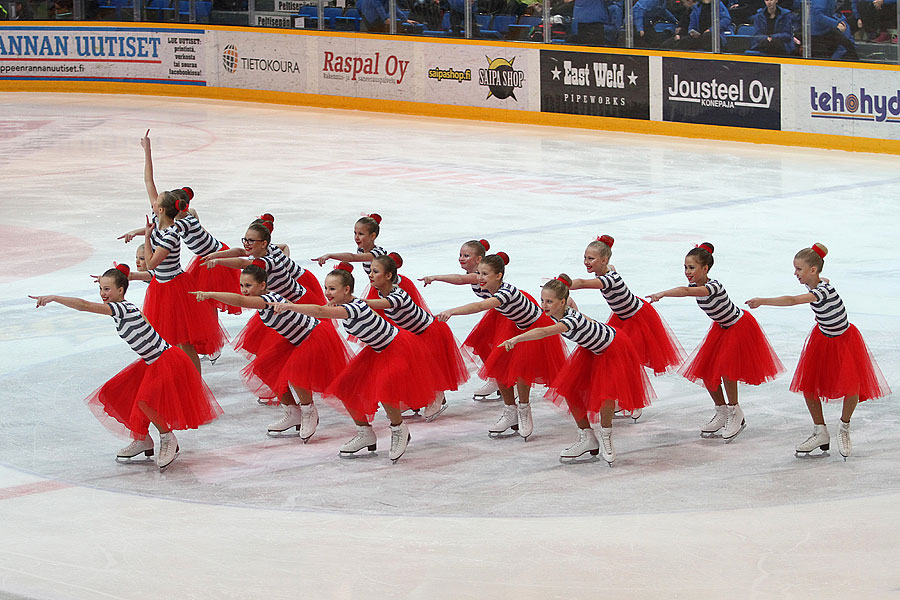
(240, 515)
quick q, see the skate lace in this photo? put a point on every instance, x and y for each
(164, 444)
(395, 436)
(607, 443)
(508, 412)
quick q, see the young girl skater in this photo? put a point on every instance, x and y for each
(835, 362)
(162, 387)
(524, 365)
(654, 342)
(604, 370)
(394, 369)
(306, 356)
(493, 327)
(735, 348)
(406, 314)
(168, 305)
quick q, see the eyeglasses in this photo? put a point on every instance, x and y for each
(249, 241)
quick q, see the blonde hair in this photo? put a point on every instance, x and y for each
(559, 286)
(814, 256)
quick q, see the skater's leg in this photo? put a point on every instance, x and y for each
(304, 397)
(850, 403)
(524, 390)
(154, 417)
(192, 354)
(607, 409)
(393, 414)
(509, 397)
(717, 396)
(814, 406)
(287, 398)
(731, 390)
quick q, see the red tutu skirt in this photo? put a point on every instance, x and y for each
(218, 279)
(179, 318)
(492, 329)
(170, 385)
(402, 376)
(311, 366)
(255, 336)
(739, 353)
(313, 293)
(588, 380)
(533, 362)
(655, 344)
(451, 368)
(834, 367)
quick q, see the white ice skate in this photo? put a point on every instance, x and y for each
(291, 419)
(607, 451)
(135, 448)
(435, 408)
(636, 414)
(844, 445)
(364, 438)
(489, 392)
(734, 424)
(526, 423)
(587, 443)
(716, 423)
(214, 357)
(399, 440)
(309, 420)
(819, 439)
(509, 419)
(168, 450)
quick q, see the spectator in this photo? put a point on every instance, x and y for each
(24, 12)
(427, 12)
(830, 33)
(373, 14)
(590, 19)
(774, 30)
(875, 17)
(744, 11)
(681, 40)
(699, 30)
(647, 13)
(458, 16)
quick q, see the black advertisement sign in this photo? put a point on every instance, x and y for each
(600, 85)
(712, 92)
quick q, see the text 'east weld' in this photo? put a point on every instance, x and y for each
(606, 75)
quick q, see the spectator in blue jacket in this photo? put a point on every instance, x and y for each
(374, 14)
(774, 30)
(458, 17)
(590, 21)
(875, 17)
(830, 33)
(647, 13)
(700, 32)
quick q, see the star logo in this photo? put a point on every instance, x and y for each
(632, 79)
(555, 72)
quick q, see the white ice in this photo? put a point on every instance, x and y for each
(240, 515)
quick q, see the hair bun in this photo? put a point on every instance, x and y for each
(504, 257)
(345, 266)
(375, 217)
(397, 259)
(189, 192)
(123, 268)
(567, 281)
(268, 225)
(820, 249)
(486, 244)
(258, 262)
(606, 239)
(707, 246)
(267, 217)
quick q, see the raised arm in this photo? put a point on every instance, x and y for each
(377, 303)
(148, 170)
(345, 257)
(77, 303)
(455, 279)
(234, 263)
(232, 299)
(230, 253)
(311, 310)
(781, 300)
(583, 284)
(468, 309)
(534, 334)
(680, 292)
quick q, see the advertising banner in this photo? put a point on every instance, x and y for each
(851, 102)
(712, 92)
(135, 55)
(364, 68)
(261, 61)
(600, 85)
(493, 77)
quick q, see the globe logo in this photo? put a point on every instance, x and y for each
(230, 58)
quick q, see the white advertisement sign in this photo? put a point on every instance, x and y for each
(841, 101)
(262, 61)
(122, 54)
(492, 77)
(364, 68)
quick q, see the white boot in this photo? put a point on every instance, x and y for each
(168, 450)
(399, 440)
(144, 446)
(636, 414)
(844, 445)
(489, 391)
(365, 438)
(717, 422)
(818, 439)
(435, 408)
(309, 420)
(734, 424)
(587, 442)
(526, 424)
(214, 356)
(509, 419)
(607, 451)
(291, 418)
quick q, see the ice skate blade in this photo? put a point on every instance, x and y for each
(431, 418)
(592, 456)
(494, 397)
(514, 430)
(166, 466)
(610, 463)
(284, 433)
(810, 456)
(265, 402)
(707, 435)
(731, 439)
(353, 455)
(138, 459)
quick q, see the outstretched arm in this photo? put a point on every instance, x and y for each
(232, 299)
(130, 235)
(77, 303)
(581, 284)
(312, 310)
(379, 303)
(234, 263)
(148, 170)
(781, 300)
(230, 253)
(468, 309)
(680, 292)
(534, 334)
(455, 279)
(345, 257)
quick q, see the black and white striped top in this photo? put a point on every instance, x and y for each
(279, 271)
(170, 239)
(620, 299)
(137, 332)
(405, 313)
(367, 326)
(376, 252)
(480, 291)
(829, 310)
(591, 335)
(718, 306)
(195, 237)
(292, 326)
(516, 307)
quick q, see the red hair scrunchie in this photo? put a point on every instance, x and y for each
(504, 257)
(344, 266)
(704, 246)
(818, 250)
(375, 217)
(123, 268)
(398, 260)
(486, 244)
(189, 192)
(566, 283)
(606, 239)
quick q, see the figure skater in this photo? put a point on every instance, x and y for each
(524, 365)
(306, 355)
(406, 314)
(835, 362)
(735, 348)
(605, 370)
(493, 327)
(162, 387)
